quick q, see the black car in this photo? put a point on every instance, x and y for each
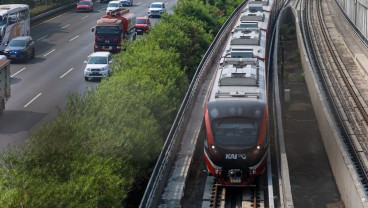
(20, 48)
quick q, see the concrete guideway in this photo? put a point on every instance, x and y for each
(346, 179)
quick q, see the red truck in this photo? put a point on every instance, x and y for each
(113, 28)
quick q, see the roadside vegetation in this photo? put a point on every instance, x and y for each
(105, 142)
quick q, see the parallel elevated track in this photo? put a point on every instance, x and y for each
(342, 84)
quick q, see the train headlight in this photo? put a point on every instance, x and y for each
(213, 149)
(255, 153)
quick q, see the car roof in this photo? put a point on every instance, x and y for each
(22, 38)
(100, 53)
(158, 2)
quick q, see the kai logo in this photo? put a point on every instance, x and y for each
(235, 156)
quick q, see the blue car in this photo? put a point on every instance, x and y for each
(20, 48)
(127, 2)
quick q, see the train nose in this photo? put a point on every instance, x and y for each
(235, 175)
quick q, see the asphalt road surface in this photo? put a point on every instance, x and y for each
(41, 85)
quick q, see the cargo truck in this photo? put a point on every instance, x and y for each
(113, 28)
(4, 83)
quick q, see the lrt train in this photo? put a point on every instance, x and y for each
(236, 143)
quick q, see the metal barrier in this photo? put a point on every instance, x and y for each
(51, 12)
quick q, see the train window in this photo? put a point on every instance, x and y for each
(235, 131)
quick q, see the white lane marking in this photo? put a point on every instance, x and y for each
(39, 94)
(65, 26)
(85, 17)
(17, 72)
(49, 52)
(66, 73)
(73, 38)
(41, 38)
(139, 3)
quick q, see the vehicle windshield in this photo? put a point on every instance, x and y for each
(17, 43)
(107, 30)
(97, 60)
(156, 6)
(235, 131)
(113, 4)
(141, 21)
(84, 2)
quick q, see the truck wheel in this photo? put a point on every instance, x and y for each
(86, 78)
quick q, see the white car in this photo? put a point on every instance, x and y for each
(113, 5)
(98, 65)
(156, 9)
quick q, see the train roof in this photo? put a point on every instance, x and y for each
(239, 78)
(246, 37)
(242, 72)
(260, 5)
(246, 44)
(253, 19)
(252, 16)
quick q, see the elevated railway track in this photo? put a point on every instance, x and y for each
(342, 87)
(341, 81)
(170, 176)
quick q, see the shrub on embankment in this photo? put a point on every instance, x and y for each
(103, 142)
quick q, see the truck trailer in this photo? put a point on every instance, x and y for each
(4, 83)
(113, 28)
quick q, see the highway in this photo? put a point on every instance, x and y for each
(40, 86)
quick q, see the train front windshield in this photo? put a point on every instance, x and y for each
(235, 131)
